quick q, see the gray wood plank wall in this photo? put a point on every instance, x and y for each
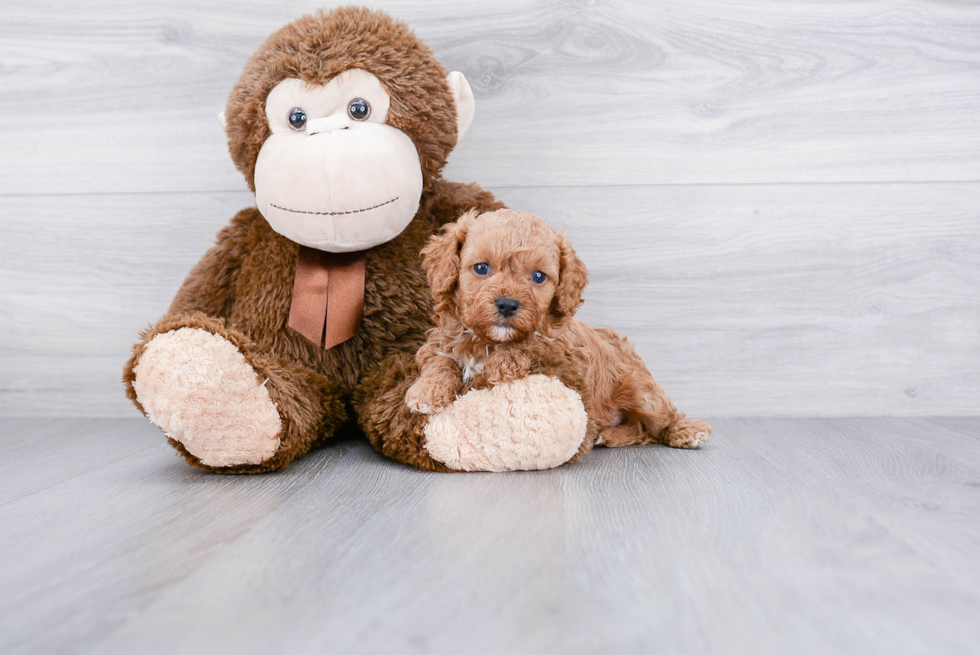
(778, 201)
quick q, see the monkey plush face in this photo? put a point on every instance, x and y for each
(332, 175)
(339, 122)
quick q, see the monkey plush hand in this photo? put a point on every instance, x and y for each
(312, 304)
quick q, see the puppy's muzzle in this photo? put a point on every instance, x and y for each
(507, 307)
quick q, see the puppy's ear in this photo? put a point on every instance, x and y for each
(440, 259)
(572, 278)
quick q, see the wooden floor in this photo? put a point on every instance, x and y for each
(780, 536)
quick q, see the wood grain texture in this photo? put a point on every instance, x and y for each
(792, 535)
(770, 300)
(121, 96)
(668, 137)
(42, 453)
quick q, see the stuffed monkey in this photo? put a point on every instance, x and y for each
(309, 309)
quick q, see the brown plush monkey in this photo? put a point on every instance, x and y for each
(312, 305)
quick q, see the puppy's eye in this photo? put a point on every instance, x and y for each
(481, 269)
(538, 277)
(359, 109)
(297, 118)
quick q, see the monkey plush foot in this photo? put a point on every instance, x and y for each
(531, 423)
(198, 388)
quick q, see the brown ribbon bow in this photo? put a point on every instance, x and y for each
(328, 296)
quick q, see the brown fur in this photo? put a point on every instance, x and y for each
(473, 341)
(241, 289)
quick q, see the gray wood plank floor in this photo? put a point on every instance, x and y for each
(781, 535)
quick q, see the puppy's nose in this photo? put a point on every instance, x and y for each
(507, 307)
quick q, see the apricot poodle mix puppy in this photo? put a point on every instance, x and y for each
(506, 286)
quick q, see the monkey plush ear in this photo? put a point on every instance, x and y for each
(440, 259)
(465, 103)
(572, 278)
(221, 119)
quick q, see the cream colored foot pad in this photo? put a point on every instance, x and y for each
(198, 388)
(528, 424)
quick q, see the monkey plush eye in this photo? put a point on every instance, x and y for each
(359, 109)
(538, 277)
(297, 119)
(481, 269)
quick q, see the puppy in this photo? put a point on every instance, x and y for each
(506, 286)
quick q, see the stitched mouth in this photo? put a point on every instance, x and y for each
(353, 211)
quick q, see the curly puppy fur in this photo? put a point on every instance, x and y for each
(505, 287)
(241, 289)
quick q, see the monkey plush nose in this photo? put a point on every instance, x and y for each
(328, 124)
(507, 307)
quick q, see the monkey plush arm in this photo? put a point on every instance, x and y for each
(210, 286)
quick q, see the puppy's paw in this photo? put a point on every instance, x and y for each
(688, 434)
(501, 370)
(423, 397)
